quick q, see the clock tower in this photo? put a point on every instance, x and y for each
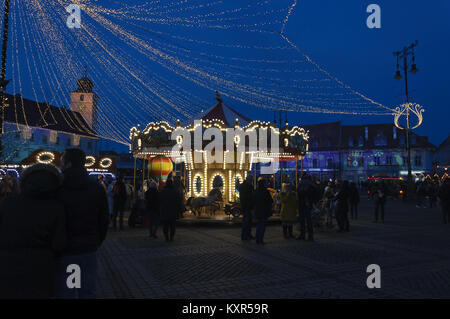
(84, 101)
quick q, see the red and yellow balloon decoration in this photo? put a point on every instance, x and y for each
(160, 167)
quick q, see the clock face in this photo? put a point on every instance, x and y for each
(82, 107)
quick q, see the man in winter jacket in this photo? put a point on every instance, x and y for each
(246, 199)
(87, 219)
(32, 234)
(119, 201)
(263, 209)
(171, 208)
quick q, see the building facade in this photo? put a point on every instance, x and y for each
(30, 126)
(358, 152)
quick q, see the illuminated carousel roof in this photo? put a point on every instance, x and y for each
(222, 112)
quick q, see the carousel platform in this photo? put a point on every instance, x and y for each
(217, 220)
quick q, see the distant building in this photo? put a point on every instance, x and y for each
(442, 156)
(357, 152)
(31, 125)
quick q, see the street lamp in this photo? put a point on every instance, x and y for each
(408, 107)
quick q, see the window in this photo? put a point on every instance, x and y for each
(350, 142)
(53, 138)
(360, 141)
(394, 132)
(388, 160)
(366, 133)
(377, 160)
(68, 141)
(330, 163)
(418, 160)
(314, 162)
(401, 140)
(44, 139)
(89, 145)
(380, 139)
(349, 161)
(81, 97)
(413, 140)
(76, 140)
(361, 162)
(17, 135)
(405, 160)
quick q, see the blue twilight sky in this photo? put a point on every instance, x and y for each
(136, 85)
(335, 34)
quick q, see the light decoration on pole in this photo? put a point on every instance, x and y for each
(406, 109)
(106, 162)
(45, 157)
(90, 161)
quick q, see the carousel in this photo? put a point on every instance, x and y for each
(163, 148)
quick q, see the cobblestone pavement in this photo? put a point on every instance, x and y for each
(412, 249)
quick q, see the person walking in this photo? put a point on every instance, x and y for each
(353, 198)
(171, 208)
(327, 205)
(379, 198)
(342, 207)
(444, 198)
(32, 234)
(152, 201)
(288, 214)
(246, 199)
(262, 208)
(119, 201)
(86, 207)
(306, 193)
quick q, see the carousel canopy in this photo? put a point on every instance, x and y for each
(222, 112)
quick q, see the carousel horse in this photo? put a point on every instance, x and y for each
(195, 204)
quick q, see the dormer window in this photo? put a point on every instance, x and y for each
(380, 139)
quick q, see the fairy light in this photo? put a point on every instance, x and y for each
(105, 162)
(45, 157)
(90, 161)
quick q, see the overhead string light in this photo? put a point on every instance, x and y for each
(160, 60)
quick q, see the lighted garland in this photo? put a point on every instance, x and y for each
(49, 61)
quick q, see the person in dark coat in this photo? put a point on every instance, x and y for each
(119, 201)
(306, 194)
(342, 196)
(32, 234)
(353, 198)
(246, 199)
(171, 208)
(152, 201)
(444, 198)
(87, 218)
(262, 203)
(379, 199)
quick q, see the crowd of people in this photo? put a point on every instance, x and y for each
(53, 218)
(325, 201)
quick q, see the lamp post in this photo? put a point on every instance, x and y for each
(406, 109)
(3, 82)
